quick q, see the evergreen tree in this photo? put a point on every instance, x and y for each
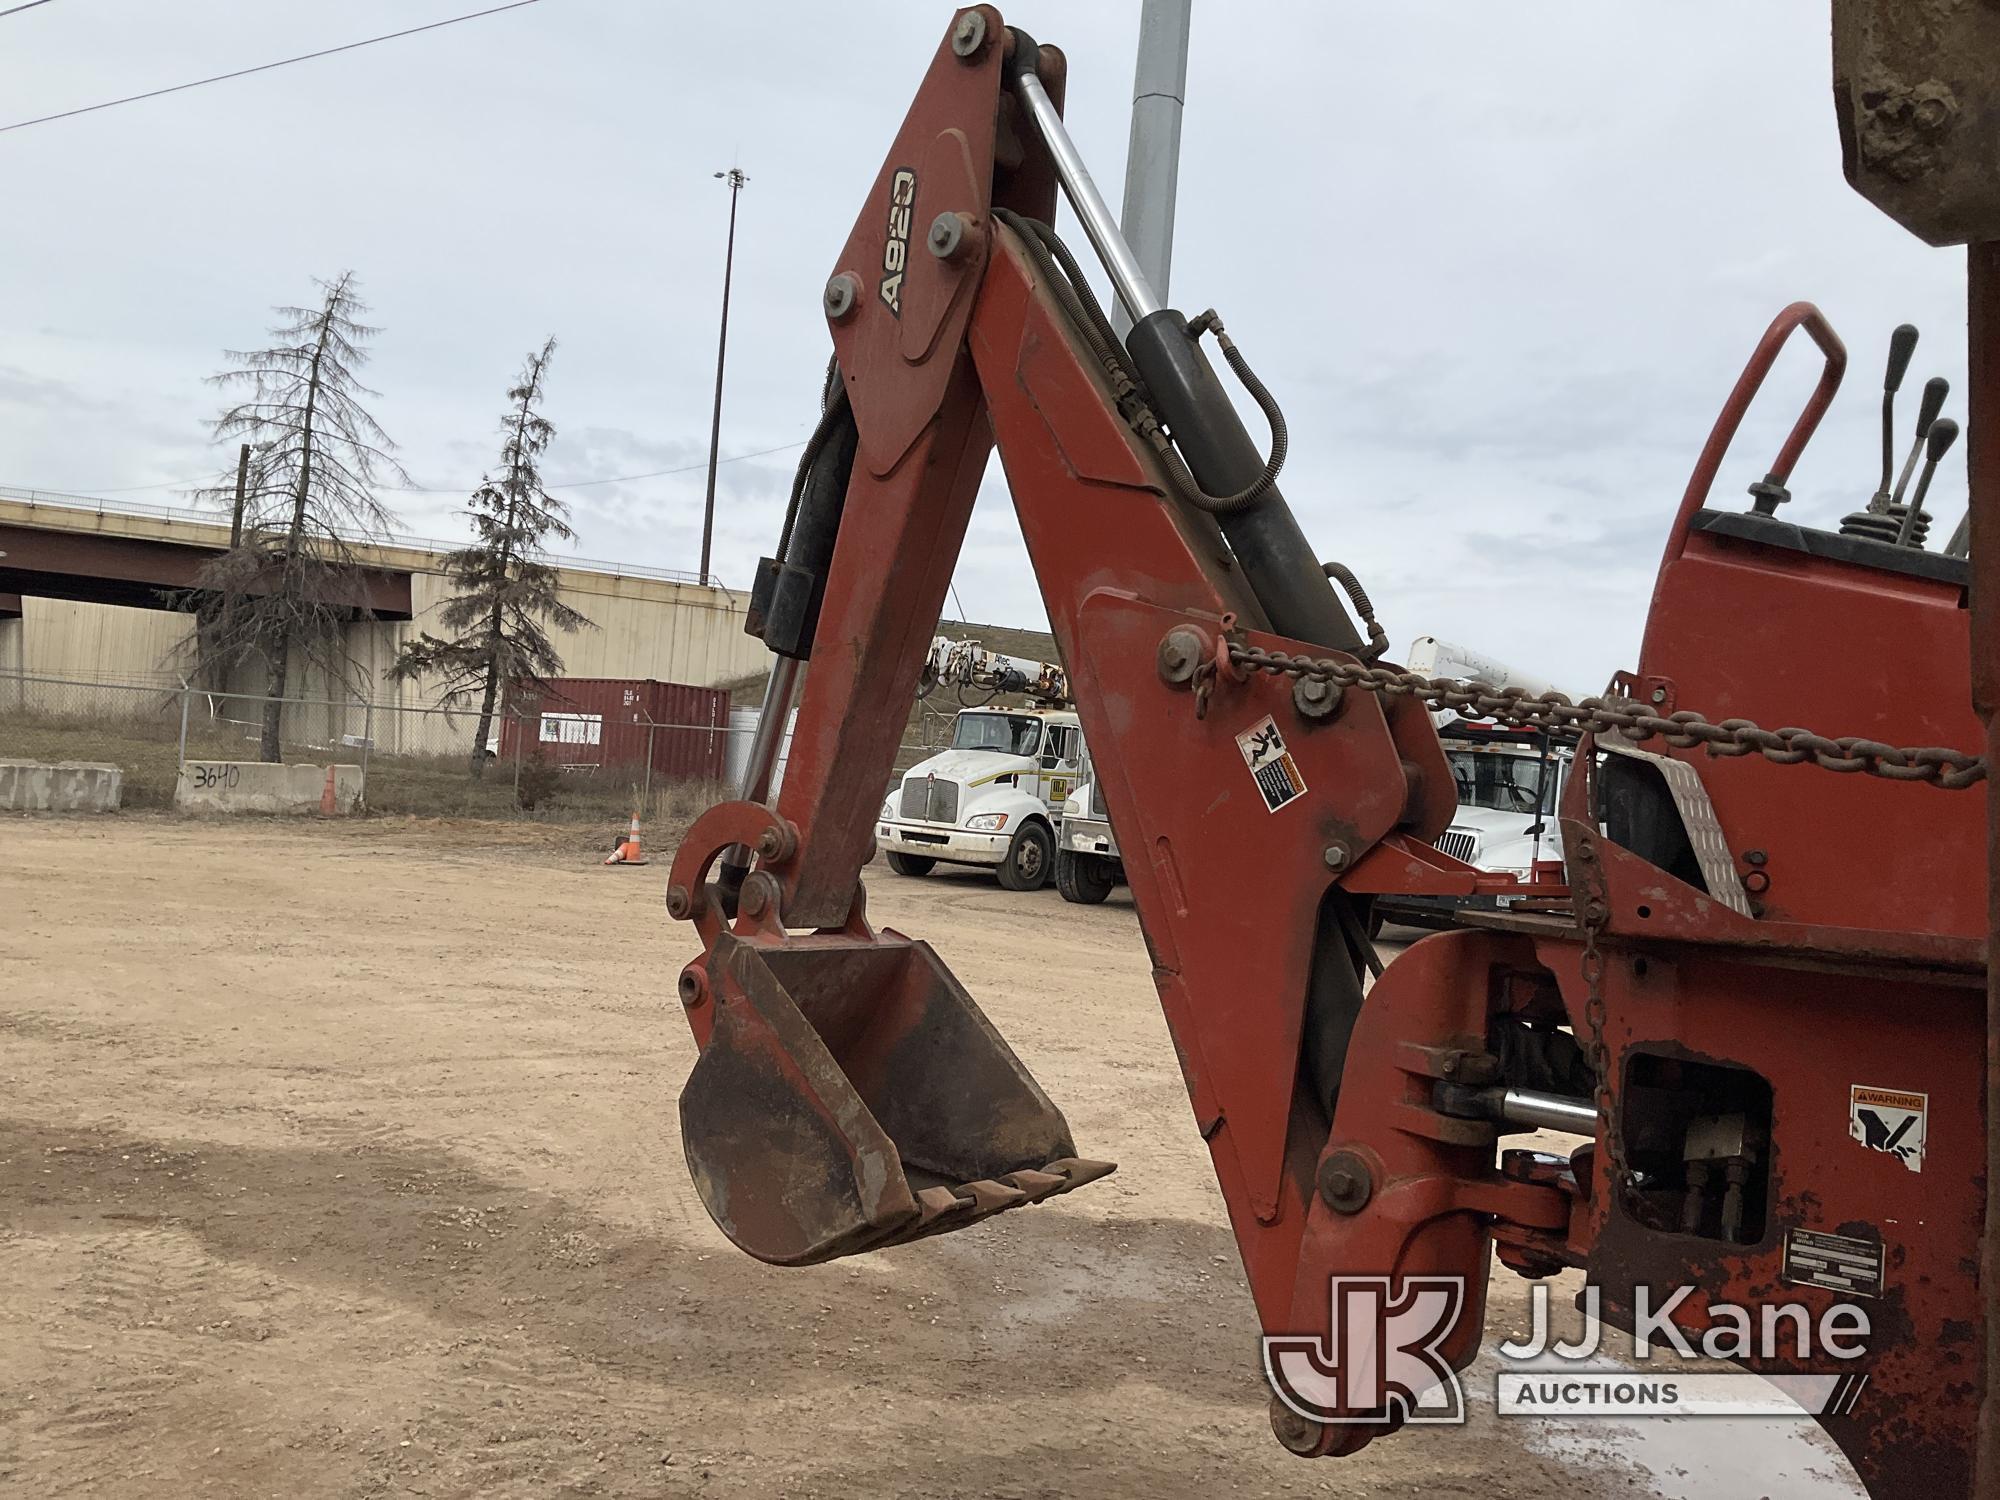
(508, 598)
(290, 582)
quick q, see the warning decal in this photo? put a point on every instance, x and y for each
(1841, 1263)
(1271, 764)
(1890, 1121)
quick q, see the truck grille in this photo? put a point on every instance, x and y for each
(928, 800)
(1459, 845)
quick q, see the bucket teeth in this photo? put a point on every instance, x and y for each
(1036, 1185)
(990, 1197)
(943, 1209)
(937, 1205)
(1079, 1171)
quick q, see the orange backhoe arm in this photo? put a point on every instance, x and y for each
(849, 1094)
(1727, 973)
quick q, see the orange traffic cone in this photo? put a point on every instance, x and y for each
(628, 852)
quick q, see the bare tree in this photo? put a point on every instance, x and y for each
(292, 583)
(506, 592)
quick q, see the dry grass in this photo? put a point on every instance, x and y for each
(418, 786)
(147, 750)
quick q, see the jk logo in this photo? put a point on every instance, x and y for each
(1381, 1361)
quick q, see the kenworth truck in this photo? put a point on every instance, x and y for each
(994, 798)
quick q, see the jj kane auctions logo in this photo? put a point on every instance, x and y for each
(1383, 1358)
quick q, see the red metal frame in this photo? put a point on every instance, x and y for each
(1858, 967)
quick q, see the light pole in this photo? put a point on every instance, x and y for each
(735, 178)
(1152, 160)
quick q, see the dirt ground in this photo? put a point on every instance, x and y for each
(342, 1161)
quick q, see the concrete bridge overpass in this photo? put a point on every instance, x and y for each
(82, 583)
(71, 547)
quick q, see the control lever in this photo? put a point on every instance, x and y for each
(1943, 434)
(1902, 344)
(1935, 390)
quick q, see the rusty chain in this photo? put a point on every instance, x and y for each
(1556, 712)
(1593, 910)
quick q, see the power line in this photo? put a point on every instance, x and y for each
(260, 68)
(29, 6)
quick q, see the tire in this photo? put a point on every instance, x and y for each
(912, 865)
(1085, 879)
(1029, 858)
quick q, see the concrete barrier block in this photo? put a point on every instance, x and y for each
(60, 786)
(253, 786)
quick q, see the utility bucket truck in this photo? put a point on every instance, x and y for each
(995, 796)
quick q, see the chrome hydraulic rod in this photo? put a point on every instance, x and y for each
(1541, 1111)
(763, 761)
(1128, 279)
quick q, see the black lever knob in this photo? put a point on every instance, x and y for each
(1944, 433)
(1935, 390)
(1902, 344)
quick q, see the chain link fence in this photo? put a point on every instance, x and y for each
(415, 760)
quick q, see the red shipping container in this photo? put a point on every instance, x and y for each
(607, 723)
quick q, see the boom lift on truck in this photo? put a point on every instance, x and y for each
(1724, 973)
(967, 666)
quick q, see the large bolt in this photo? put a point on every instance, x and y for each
(756, 896)
(1316, 698)
(1337, 856)
(1659, 695)
(948, 235)
(969, 35)
(1300, 1435)
(771, 845)
(1345, 1182)
(1179, 654)
(840, 296)
(680, 905)
(693, 987)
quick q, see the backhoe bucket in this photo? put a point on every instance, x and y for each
(850, 1096)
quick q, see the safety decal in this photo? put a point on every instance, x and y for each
(1890, 1121)
(1843, 1263)
(1271, 764)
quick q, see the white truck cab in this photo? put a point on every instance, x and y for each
(994, 798)
(1508, 785)
(1508, 780)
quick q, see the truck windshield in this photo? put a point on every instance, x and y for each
(1501, 783)
(1013, 734)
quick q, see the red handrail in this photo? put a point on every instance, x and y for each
(1798, 315)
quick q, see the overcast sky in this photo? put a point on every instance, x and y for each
(1500, 263)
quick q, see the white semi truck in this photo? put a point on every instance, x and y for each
(994, 798)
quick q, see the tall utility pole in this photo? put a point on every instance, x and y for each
(1153, 156)
(242, 486)
(735, 178)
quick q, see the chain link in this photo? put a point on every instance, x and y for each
(1558, 714)
(1593, 910)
